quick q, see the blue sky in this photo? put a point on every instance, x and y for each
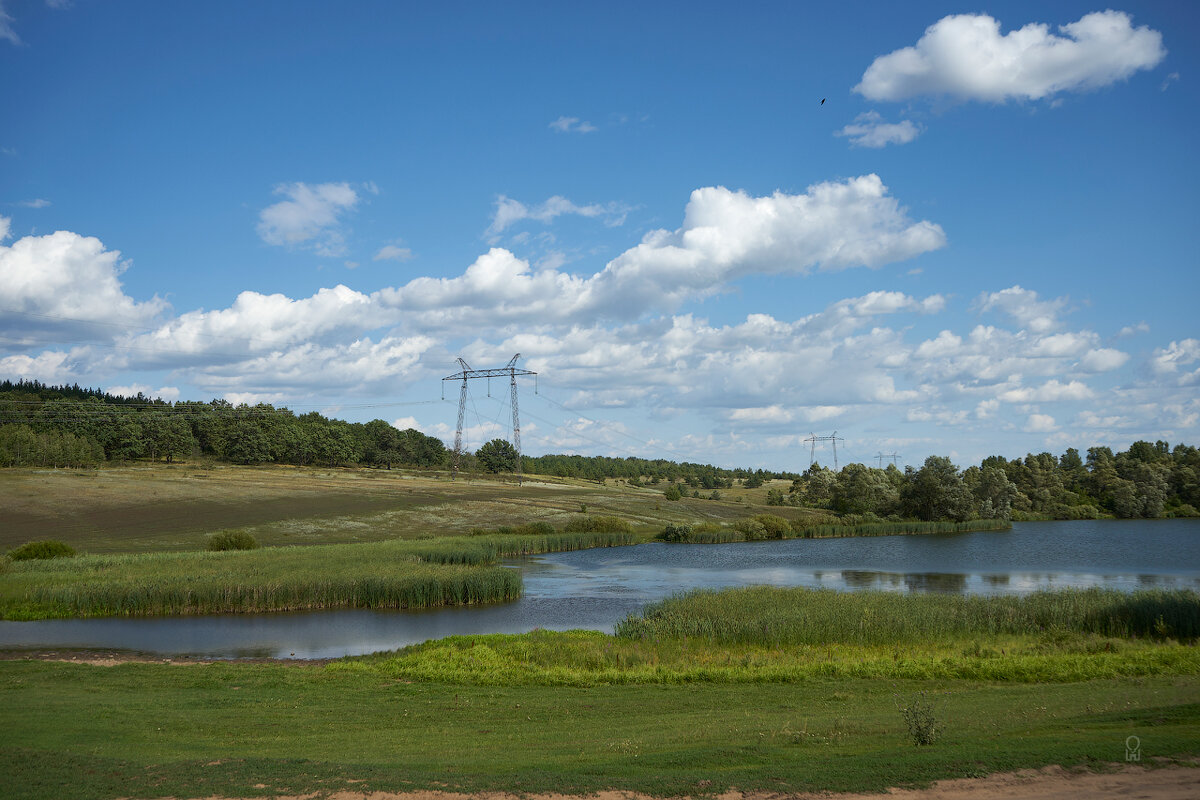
(982, 242)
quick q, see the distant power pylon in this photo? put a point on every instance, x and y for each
(882, 456)
(467, 374)
(812, 456)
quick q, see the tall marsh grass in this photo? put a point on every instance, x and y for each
(394, 574)
(772, 616)
(769, 526)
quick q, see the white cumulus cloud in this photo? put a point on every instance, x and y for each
(1040, 423)
(966, 56)
(869, 130)
(571, 125)
(309, 217)
(65, 280)
(393, 252)
(1049, 392)
(1024, 306)
(510, 211)
(1103, 359)
(1176, 359)
(726, 235)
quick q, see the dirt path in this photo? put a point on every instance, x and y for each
(1168, 783)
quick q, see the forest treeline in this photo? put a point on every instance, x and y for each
(1146, 481)
(70, 426)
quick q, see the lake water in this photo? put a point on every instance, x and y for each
(594, 589)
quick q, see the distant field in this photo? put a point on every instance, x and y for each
(173, 507)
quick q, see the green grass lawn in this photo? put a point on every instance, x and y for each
(745, 707)
(152, 730)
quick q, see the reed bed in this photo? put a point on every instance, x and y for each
(485, 549)
(395, 574)
(906, 528)
(771, 616)
(818, 528)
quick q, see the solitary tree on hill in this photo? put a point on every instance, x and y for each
(498, 455)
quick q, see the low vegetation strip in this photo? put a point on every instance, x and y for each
(395, 574)
(774, 616)
(589, 658)
(770, 526)
(779, 635)
(903, 528)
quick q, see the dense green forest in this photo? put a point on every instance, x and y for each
(73, 427)
(1146, 481)
(69, 426)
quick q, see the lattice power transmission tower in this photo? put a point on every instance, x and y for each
(467, 374)
(812, 456)
(882, 456)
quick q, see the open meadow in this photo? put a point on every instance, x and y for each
(173, 507)
(650, 710)
(758, 690)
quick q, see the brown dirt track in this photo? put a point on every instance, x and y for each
(1124, 781)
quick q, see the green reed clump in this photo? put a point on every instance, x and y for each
(767, 615)
(49, 548)
(587, 523)
(393, 574)
(486, 548)
(420, 586)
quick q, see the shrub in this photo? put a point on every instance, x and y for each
(49, 548)
(1183, 510)
(232, 540)
(676, 533)
(672, 492)
(752, 529)
(776, 527)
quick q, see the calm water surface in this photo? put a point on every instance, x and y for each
(596, 588)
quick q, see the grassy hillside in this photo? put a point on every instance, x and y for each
(163, 508)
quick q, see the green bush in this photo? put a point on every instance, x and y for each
(776, 527)
(676, 533)
(752, 529)
(672, 492)
(1183, 510)
(232, 540)
(49, 548)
